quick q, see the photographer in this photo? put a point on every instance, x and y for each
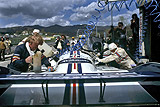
(120, 35)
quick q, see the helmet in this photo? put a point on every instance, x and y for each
(72, 37)
(112, 46)
(36, 31)
(82, 36)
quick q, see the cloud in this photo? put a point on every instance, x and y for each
(134, 11)
(87, 9)
(80, 17)
(36, 11)
(50, 12)
(68, 8)
(124, 12)
(84, 13)
(116, 18)
(51, 21)
(35, 8)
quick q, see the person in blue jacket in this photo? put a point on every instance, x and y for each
(23, 53)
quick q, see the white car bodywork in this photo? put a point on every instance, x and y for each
(78, 62)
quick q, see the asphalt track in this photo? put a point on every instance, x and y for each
(7, 60)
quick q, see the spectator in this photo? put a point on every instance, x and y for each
(59, 45)
(66, 44)
(120, 35)
(135, 31)
(73, 42)
(2, 49)
(8, 45)
(35, 31)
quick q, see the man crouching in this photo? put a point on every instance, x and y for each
(120, 56)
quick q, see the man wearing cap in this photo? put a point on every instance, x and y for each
(120, 56)
(35, 31)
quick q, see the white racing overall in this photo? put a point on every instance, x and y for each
(121, 57)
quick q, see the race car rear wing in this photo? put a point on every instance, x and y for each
(77, 78)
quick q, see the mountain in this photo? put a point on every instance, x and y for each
(55, 29)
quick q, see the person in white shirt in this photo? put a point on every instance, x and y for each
(120, 56)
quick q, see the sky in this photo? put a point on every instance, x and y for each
(62, 12)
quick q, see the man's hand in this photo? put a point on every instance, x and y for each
(99, 60)
(28, 59)
(98, 54)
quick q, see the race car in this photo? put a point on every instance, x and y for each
(77, 80)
